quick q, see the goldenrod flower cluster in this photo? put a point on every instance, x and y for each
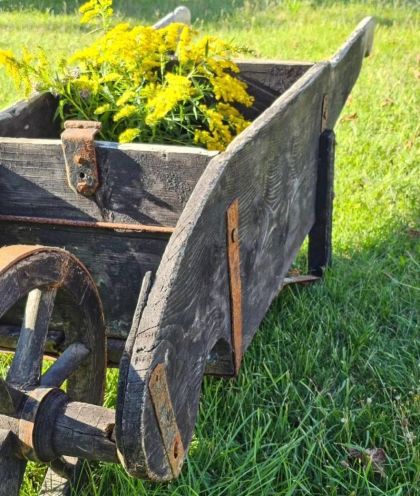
(144, 84)
(96, 9)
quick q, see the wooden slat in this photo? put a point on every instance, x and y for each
(122, 428)
(9, 336)
(140, 184)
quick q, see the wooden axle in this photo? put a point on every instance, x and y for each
(47, 426)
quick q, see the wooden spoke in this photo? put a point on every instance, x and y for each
(69, 361)
(11, 468)
(26, 366)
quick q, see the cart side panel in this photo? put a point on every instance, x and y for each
(271, 168)
(31, 119)
(266, 81)
(138, 183)
(278, 76)
(116, 260)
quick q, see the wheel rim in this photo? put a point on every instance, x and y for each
(39, 272)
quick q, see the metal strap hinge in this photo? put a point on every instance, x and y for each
(234, 264)
(165, 415)
(80, 155)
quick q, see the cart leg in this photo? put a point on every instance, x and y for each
(320, 242)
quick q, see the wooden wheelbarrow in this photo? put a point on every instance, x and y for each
(160, 259)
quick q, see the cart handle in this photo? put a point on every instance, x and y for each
(346, 65)
(180, 14)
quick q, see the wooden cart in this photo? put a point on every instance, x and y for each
(161, 259)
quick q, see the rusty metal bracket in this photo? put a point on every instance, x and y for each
(303, 280)
(80, 156)
(162, 404)
(234, 264)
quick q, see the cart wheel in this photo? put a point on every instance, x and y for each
(39, 272)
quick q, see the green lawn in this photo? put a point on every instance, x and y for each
(334, 366)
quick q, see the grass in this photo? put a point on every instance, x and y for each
(335, 366)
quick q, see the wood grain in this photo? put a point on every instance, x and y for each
(146, 184)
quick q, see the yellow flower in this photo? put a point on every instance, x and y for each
(134, 69)
(128, 135)
(149, 90)
(13, 67)
(231, 89)
(124, 112)
(111, 77)
(233, 117)
(95, 8)
(88, 6)
(106, 107)
(170, 36)
(224, 123)
(184, 45)
(125, 97)
(205, 138)
(177, 89)
(86, 84)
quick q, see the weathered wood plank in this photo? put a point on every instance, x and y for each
(54, 344)
(124, 441)
(147, 184)
(9, 335)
